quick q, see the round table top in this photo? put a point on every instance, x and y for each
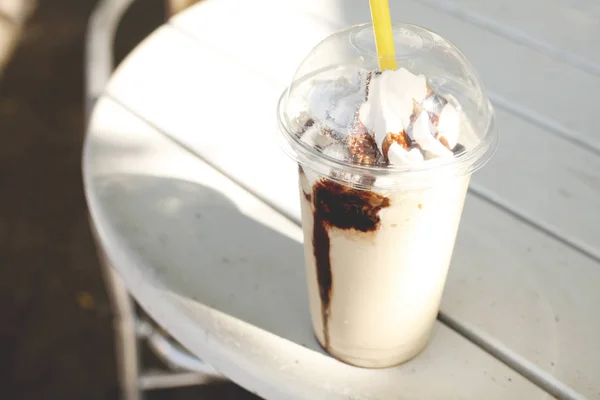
(197, 209)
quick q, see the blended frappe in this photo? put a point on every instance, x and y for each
(381, 196)
(375, 287)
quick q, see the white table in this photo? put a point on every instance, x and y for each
(205, 233)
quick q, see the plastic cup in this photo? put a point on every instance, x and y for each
(379, 224)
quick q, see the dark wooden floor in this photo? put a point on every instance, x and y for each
(55, 331)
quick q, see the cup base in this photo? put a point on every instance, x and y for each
(375, 358)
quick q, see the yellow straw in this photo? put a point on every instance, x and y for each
(384, 39)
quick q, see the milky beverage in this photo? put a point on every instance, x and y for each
(384, 159)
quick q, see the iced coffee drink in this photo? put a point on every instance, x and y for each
(384, 160)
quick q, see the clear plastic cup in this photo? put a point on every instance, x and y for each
(384, 160)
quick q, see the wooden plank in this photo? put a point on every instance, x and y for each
(564, 29)
(522, 290)
(272, 43)
(240, 303)
(546, 180)
(208, 108)
(254, 94)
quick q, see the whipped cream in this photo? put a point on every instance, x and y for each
(389, 103)
(394, 98)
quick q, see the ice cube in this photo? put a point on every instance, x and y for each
(338, 151)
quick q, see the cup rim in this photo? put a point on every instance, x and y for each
(392, 176)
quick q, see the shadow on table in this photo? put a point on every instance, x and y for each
(201, 246)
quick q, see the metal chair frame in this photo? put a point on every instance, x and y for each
(129, 328)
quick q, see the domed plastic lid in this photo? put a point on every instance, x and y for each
(342, 117)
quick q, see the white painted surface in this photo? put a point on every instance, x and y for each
(538, 175)
(509, 283)
(223, 272)
(567, 30)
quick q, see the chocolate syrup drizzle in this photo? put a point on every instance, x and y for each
(339, 206)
